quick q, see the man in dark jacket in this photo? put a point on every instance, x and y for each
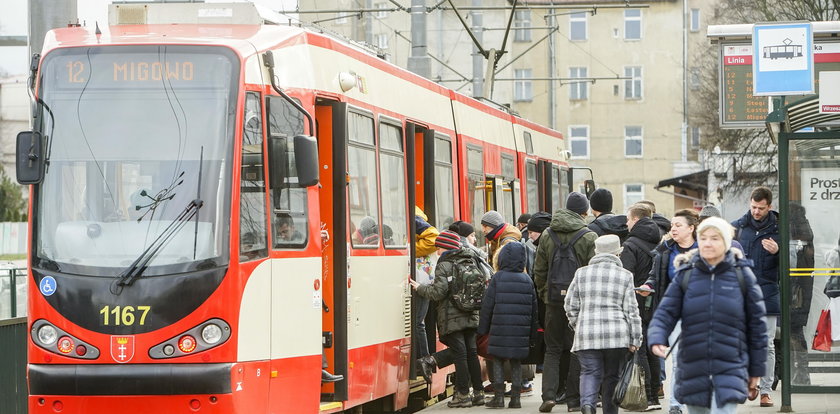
(601, 204)
(509, 317)
(801, 257)
(661, 221)
(566, 223)
(758, 232)
(637, 257)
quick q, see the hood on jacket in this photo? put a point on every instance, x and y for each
(512, 258)
(605, 258)
(663, 223)
(611, 224)
(418, 212)
(647, 230)
(566, 221)
(732, 257)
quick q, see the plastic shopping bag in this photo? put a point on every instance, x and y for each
(822, 337)
(630, 391)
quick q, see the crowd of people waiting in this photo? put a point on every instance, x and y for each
(592, 291)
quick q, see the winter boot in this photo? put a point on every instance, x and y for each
(515, 395)
(498, 400)
(587, 409)
(460, 401)
(478, 397)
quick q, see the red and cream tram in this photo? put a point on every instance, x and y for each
(182, 178)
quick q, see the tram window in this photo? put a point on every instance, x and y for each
(477, 190)
(505, 196)
(394, 217)
(289, 222)
(444, 187)
(555, 188)
(564, 185)
(361, 170)
(252, 223)
(531, 186)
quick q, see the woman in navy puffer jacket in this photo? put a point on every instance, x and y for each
(509, 316)
(723, 346)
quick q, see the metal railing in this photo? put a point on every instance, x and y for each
(13, 291)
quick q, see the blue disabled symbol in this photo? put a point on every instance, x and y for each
(48, 285)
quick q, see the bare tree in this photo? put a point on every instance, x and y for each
(753, 155)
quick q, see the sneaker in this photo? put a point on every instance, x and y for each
(675, 409)
(653, 405)
(489, 388)
(460, 401)
(573, 407)
(546, 406)
(526, 390)
(766, 401)
(478, 397)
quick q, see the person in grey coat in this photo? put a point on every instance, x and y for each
(603, 311)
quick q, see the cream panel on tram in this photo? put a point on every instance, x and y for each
(295, 307)
(377, 307)
(475, 123)
(311, 67)
(253, 341)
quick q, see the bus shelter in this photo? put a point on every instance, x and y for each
(809, 205)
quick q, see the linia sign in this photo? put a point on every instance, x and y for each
(829, 92)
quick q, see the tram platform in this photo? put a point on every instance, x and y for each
(801, 404)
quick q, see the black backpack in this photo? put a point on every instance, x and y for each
(467, 286)
(564, 264)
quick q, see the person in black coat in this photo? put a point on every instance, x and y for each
(637, 257)
(605, 222)
(801, 257)
(509, 316)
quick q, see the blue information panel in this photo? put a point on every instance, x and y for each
(783, 59)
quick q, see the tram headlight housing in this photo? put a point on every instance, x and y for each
(47, 334)
(211, 333)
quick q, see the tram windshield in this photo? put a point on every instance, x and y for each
(136, 134)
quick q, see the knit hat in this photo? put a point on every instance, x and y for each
(492, 219)
(721, 226)
(463, 228)
(539, 222)
(709, 211)
(577, 202)
(601, 200)
(448, 240)
(523, 218)
(609, 244)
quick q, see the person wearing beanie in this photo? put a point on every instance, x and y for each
(467, 233)
(498, 233)
(566, 224)
(537, 224)
(605, 317)
(709, 210)
(605, 222)
(718, 298)
(522, 225)
(456, 327)
(424, 244)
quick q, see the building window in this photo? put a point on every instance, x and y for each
(694, 79)
(633, 141)
(695, 137)
(380, 40)
(632, 24)
(341, 18)
(579, 141)
(522, 26)
(695, 20)
(633, 86)
(633, 193)
(522, 90)
(578, 90)
(380, 14)
(577, 26)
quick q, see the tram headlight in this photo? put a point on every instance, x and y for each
(47, 334)
(211, 333)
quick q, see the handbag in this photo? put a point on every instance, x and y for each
(630, 391)
(822, 336)
(536, 350)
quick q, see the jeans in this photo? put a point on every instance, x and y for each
(421, 308)
(729, 408)
(767, 381)
(675, 350)
(461, 351)
(599, 370)
(499, 375)
(558, 342)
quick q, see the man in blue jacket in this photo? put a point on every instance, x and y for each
(758, 232)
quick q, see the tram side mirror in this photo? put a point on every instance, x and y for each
(306, 160)
(30, 161)
(589, 187)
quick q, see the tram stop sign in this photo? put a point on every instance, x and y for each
(783, 59)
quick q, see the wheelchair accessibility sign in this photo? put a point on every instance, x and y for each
(48, 285)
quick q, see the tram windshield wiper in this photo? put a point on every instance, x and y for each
(139, 265)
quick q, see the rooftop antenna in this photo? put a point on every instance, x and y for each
(98, 32)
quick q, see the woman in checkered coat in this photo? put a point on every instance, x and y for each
(604, 314)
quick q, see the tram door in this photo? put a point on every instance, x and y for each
(331, 119)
